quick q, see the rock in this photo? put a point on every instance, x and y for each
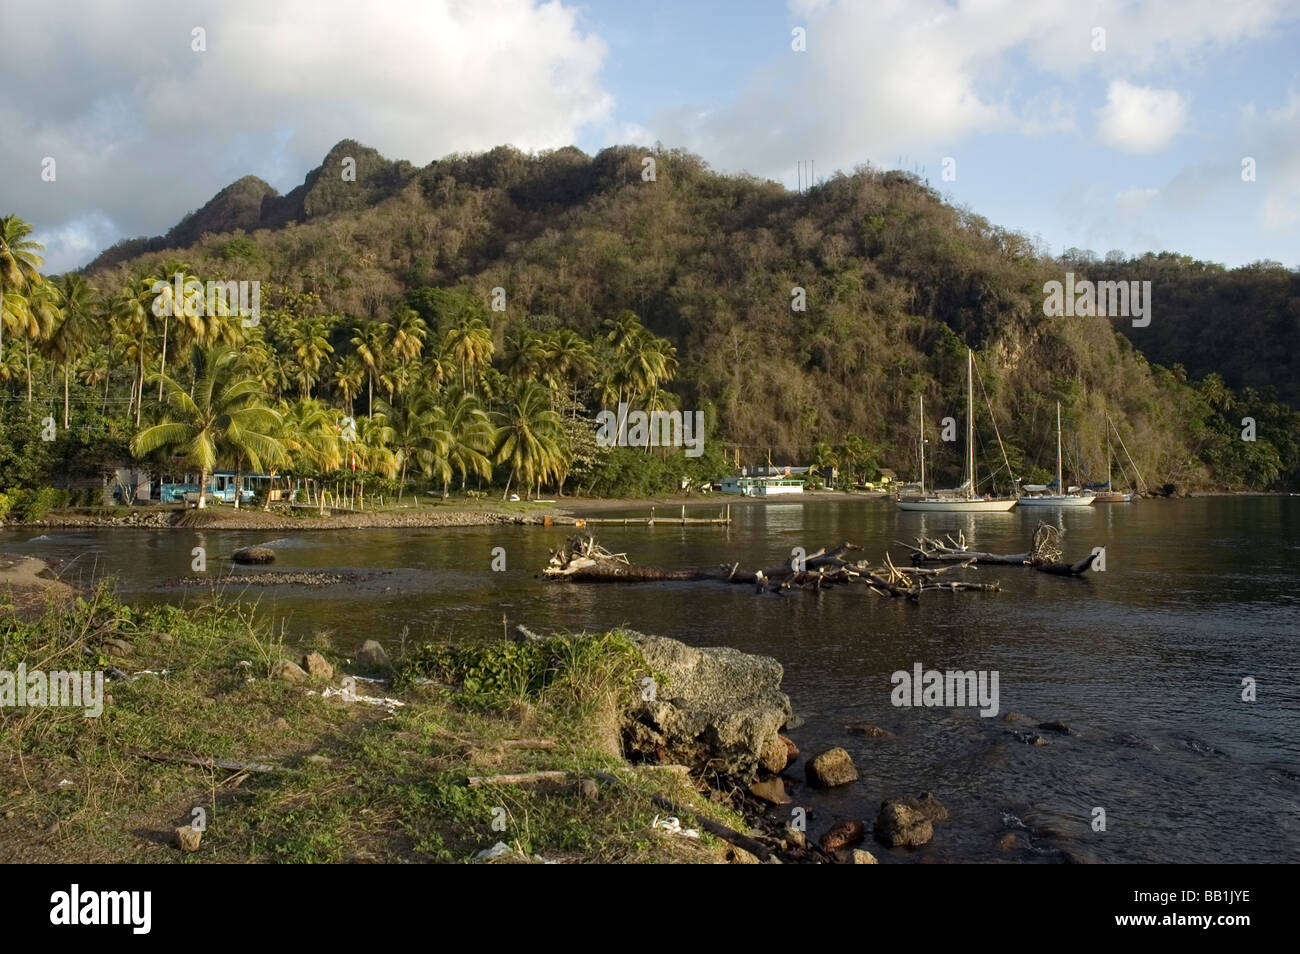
(288, 671)
(868, 730)
(1008, 842)
(795, 837)
(928, 807)
(900, 825)
(861, 857)
(1013, 717)
(830, 768)
(589, 789)
(117, 647)
(1029, 738)
(777, 753)
(843, 834)
(794, 722)
(717, 710)
(1057, 726)
(770, 790)
(188, 839)
(254, 555)
(372, 656)
(317, 666)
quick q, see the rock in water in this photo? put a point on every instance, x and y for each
(864, 858)
(188, 839)
(716, 710)
(867, 729)
(777, 754)
(843, 834)
(830, 768)
(771, 790)
(372, 655)
(317, 666)
(254, 555)
(900, 825)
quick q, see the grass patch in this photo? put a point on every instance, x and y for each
(354, 782)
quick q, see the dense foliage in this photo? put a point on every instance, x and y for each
(472, 316)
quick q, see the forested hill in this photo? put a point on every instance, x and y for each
(896, 282)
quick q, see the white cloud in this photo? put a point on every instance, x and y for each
(1273, 141)
(1140, 119)
(144, 128)
(1132, 202)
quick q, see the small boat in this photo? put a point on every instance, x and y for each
(1108, 495)
(964, 499)
(1073, 497)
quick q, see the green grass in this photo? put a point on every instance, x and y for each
(355, 783)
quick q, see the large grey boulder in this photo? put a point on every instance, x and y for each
(714, 709)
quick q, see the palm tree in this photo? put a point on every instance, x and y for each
(42, 317)
(131, 309)
(224, 419)
(309, 339)
(20, 265)
(569, 360)
(420, 434)
(526, 354)
(408, 333)
(310, 440)
(349, 375)
(469, 341)
(471, 437)
(531, 437)
(74, 332)
(370, 342)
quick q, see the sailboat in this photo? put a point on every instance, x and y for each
(963, 499)
(1115, 496)
(1037, 496)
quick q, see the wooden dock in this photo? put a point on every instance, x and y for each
(722, 519)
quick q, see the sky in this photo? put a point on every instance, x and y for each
(1166, 125)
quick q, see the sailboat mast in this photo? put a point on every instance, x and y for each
(1060, 482)
(970, 421)
(922, 444)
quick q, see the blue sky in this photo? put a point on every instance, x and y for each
(1135, 143)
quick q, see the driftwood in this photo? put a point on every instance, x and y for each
(583, 560)
(1043, 555)
(542, 780)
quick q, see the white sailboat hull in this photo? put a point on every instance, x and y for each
(1058, 500)
(959, 506)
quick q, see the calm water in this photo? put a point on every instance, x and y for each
(1144, 660)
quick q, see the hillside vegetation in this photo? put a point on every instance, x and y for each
(896, 284)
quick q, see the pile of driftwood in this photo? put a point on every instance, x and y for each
(1043, 555)
(583, 560)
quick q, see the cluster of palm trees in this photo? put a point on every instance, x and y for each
(441, 401)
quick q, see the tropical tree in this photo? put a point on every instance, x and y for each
(371, 344)
(530, 437)
(75, 329)
(469, 342)
(223, 420)
(20, 266)
(471, 437)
